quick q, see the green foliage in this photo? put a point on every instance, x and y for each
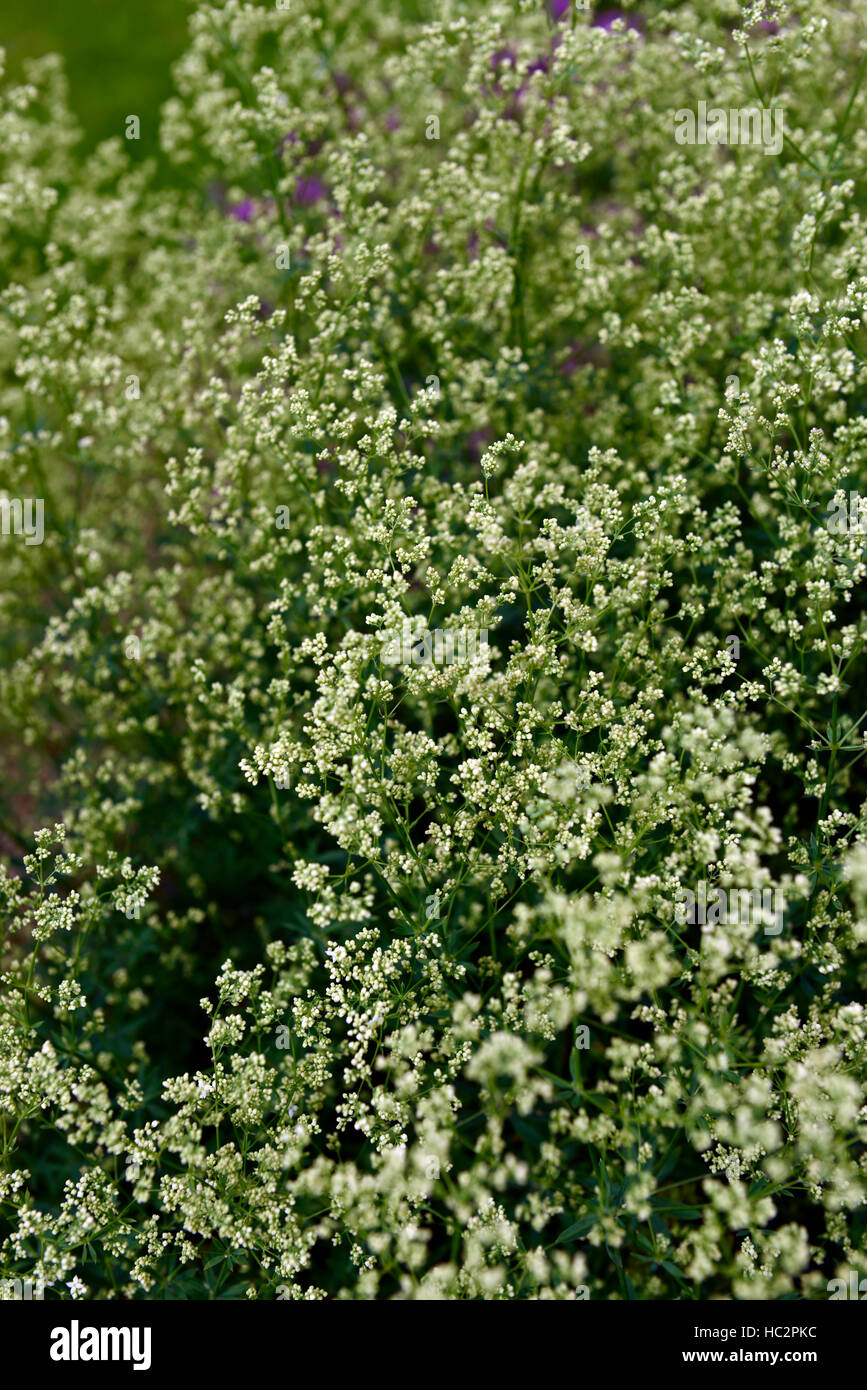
(348, 974)
(116, 52)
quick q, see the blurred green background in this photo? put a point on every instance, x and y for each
(118, 56)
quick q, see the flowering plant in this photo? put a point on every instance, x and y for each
(336, 976)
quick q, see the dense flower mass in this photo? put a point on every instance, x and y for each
(419, 585)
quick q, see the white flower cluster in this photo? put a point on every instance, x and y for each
(460, 1039)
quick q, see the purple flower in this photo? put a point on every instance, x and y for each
(498, 60)
(242, 212)
(540, 65)
(558, 9)
(605, 19)
(309, 191)
(392, 121)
